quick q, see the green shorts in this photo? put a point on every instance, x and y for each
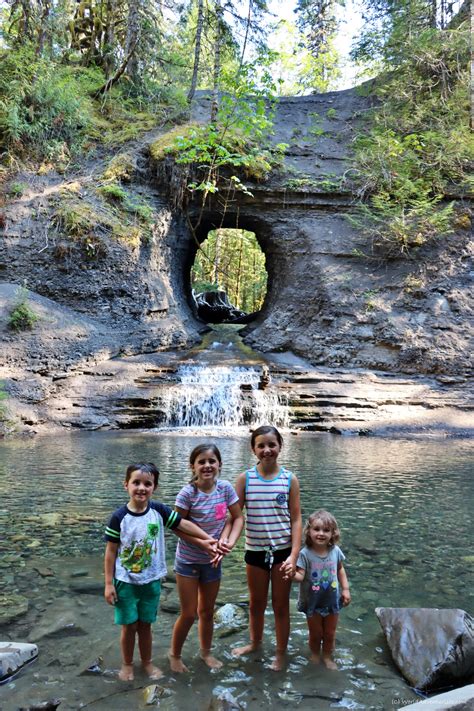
(136, 602)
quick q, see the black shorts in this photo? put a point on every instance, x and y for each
(260, 559)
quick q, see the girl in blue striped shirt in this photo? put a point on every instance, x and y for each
(271, 495)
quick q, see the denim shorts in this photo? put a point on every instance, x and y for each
(204, 572)
(136, 602)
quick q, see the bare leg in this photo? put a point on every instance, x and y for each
(188, 596)
(144, 645)
(315, 629)
(281, 610)
(329, 640)
(258, 581)
(127, 646)
(207, 600)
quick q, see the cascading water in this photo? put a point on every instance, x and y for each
(222, 396)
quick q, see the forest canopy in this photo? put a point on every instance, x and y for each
(75, 75)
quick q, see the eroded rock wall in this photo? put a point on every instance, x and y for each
(330, 300)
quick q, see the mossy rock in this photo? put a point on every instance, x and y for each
(12, 605)
(165, 144)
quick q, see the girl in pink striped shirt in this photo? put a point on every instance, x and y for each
(205, 501)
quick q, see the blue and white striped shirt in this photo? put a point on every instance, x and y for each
(268, 523)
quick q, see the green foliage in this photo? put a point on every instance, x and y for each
(419, 145)
(232, 260)
(326, 183)
(3, 405)
(89, 222)
(213, 158)
(22, 317)
(113, 192)
(43, 110)
(121, 167)
(116, 121)
(16, 189)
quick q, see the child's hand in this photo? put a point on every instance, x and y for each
(288, 569)
(210, 546)
(217, 559)
(110, 594)
(223, 546)
(345, 596)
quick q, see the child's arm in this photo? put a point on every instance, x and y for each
(188, 531)
(299, 575)
(344, 584)
(232, 529)
(240, 489)
(288, 567)
(110, 557)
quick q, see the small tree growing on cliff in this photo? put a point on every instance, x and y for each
(22, 317)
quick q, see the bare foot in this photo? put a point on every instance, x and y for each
(279, 662)
(315, 658)
(152, 671)
(240, 651)
(176, 664)
(328, 663)
(209, 660)
(126, 672)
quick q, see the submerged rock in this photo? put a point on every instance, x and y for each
(229, 619)
(12, 606)
(59, 620)
(222, 700)
(153, 694)
(95, 667)
(50, 705)
(431, 647)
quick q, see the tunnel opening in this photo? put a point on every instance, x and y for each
(228, 278)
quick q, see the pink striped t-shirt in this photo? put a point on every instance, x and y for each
(208, 511)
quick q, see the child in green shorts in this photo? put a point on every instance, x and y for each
(135, 562)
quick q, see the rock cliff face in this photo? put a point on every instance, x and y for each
(325, 302)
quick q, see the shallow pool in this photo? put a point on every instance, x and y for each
(405, 512)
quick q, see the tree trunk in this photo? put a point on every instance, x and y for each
(217, 62)
(239, 271)
(472, 65)
(109, 37)
(43, 28)
(197, 49)
(133, 35)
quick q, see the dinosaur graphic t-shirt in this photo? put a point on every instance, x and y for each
(141, 554)
(319, 591)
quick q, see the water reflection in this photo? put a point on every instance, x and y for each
(404, 508)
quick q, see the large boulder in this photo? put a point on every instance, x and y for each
(457, 700)
(431, 647)
(13, 657)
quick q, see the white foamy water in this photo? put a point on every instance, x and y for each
(221, 396)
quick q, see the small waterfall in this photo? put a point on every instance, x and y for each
(222, 396)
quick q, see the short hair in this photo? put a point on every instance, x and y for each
(263, 430)
(328, 520)
(148, 468)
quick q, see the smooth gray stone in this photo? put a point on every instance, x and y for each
(432, 647)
